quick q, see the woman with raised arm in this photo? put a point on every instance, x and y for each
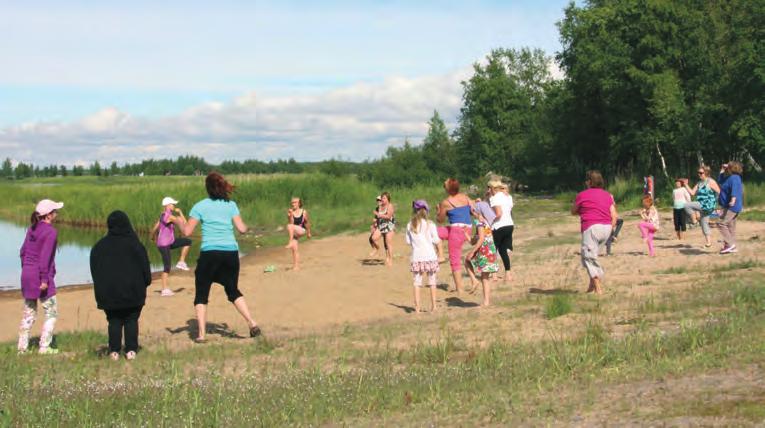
(386, 226)
(705, 191)
(732, 202)
(219, 255)
(597, 211)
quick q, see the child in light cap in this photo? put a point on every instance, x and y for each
(38, 269)
(421, 235)
(163, 233)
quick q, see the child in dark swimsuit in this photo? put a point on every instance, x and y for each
(297, 226)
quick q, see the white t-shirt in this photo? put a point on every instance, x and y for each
(422, 241)
(505, 201)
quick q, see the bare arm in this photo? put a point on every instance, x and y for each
(389, 214)
(614, 216)
(239, 224)
(153, 233)
(188, 228)
(307, 225)
(691, 191)
(715, 187)
(479, 242)
(574, 209)
(441, 215)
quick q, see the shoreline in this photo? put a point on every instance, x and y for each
(244, 260)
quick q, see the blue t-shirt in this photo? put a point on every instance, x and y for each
(731, 187)
(217, 226)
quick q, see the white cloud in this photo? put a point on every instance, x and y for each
(357, 122)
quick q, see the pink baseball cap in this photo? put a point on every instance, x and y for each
(45, 206)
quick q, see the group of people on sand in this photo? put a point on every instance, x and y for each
(483, 221)
(600, 222)
(121, 271)
(120, 268)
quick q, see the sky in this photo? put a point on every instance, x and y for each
(125, 81)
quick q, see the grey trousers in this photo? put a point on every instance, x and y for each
(592, 238)
(690, 207)
(727, 227)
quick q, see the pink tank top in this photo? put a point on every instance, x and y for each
(166, 235)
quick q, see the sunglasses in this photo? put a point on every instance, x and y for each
(700, 172)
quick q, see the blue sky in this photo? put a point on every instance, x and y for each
(173, 77)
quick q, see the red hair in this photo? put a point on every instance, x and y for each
(452, 186)
(218, 187)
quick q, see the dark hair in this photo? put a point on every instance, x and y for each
(218, 187)
(386, 195)
(595, 178)
(452, 186)
(34, 219)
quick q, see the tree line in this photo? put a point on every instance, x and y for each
(650, 88)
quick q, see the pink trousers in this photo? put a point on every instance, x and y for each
(647, 231)
(456, 237)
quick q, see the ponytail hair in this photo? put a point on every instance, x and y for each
(419, 216)
(35, 219)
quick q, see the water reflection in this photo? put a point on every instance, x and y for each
(73, 254)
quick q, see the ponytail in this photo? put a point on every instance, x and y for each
(35, 219)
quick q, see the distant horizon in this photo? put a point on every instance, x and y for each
(84, 83)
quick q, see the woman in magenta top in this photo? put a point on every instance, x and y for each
(38, 269)
(597, 211)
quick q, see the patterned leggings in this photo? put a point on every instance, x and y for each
(30, 315)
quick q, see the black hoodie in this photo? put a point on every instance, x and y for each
(119, 266)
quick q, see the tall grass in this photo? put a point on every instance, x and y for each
(334, 203)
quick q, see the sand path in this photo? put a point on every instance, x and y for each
(339, 285)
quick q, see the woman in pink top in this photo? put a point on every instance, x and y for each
(38, 269)
(597, 211)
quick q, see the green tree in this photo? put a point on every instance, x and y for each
(7, 169)
(438, 149)
(500, 116)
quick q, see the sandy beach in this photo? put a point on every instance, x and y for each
(338, 284)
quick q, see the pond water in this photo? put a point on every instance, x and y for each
(72, 255)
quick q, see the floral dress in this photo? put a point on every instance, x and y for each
(485, 259)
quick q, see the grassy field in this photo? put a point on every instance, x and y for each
(365, 376)
(335, 204)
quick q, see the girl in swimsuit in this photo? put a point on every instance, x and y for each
(297, 226)
(386, 226)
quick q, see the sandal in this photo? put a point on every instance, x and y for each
(130, 355)
(255, 331)
(115, 356)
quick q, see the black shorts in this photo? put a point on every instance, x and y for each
(221, 267)
(165, 251)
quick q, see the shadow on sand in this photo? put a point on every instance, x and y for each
(407, 309)
(459, 303)
(372, 262)
(221, 329)
(551, 291)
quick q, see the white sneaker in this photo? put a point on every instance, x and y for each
(728, 250)
(182, 266)
(166, 292)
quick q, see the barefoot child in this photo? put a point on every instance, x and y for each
(680, 197)
(298, 225)
(121, 273)
(482, 258)
(421, 235)
(649, 224)
(38, 269)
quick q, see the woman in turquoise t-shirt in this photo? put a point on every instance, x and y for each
(705, 191)
(219, 255)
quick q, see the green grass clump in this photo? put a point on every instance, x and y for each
(737, 265)
(559, 305)
(676, 270)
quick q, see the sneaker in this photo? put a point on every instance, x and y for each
(182, 266)
(166, 292)
(728, 250)
(115, 356)
(48, 351)
(130, 355)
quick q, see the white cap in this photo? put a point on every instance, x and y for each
(168, 200)
(45, 206)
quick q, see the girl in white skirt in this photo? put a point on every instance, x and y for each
(422, 236)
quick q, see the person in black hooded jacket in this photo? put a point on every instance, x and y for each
(121, 272)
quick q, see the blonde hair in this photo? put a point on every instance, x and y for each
(497, 184)
(736, 167)
(418, 216)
